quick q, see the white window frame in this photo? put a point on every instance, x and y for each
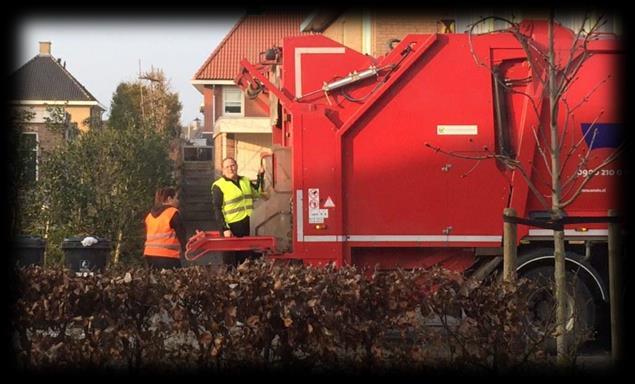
(37, 153)
(226, 90)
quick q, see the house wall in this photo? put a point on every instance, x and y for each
(224, 146)
(79, 115)
(250, 108)
(218, 153)
(231, 144)
(248, 147)
(207, 109)
(244, 147)
(347, 30)
(253, 109)
(40, 114)
(397, 26)
(47, 140)
(218, 100)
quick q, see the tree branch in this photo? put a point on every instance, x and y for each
(506, 85)
(542, 152)
(508, 161)
(577, 145)
(590, 175)
(565, 126)
(586, 97)
(569, 76)
(532, 187)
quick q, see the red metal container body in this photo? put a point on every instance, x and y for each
(386, 170)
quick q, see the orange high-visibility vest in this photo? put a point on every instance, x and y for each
(161, 239)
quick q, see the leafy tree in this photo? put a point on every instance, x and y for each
(27, 217)
(100, 184)
(125, 106)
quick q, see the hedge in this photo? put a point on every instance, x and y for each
(270, 316)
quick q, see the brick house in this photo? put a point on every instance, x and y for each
(371, 31)
(237, 126)
(43, 83)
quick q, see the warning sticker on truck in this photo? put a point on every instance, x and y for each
(316, 215)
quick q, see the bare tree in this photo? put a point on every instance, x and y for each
(554, 71)
(158, 104)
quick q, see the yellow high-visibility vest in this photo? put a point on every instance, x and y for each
(238, 203)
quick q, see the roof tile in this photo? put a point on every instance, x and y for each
(251, 35)
(44, 78)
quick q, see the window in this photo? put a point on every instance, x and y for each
(232, 101)
(71, 131)
(28, 157)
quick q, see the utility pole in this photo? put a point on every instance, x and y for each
(151, 77)
(143, 115)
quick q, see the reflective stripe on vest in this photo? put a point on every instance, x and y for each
(238, 203)
(161, 239)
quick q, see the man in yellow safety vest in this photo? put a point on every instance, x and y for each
(233, 200)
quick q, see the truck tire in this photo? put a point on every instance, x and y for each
(580, 309)
(585, 295)
(584, 298)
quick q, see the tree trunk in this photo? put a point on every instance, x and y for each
(46, 236)
(561, 298)
(509, 247)
(558, 235)
(118, 246)
(616, 291)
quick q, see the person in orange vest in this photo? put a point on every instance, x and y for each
(165, 232)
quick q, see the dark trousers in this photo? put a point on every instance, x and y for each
(157, 262)
(241, 229)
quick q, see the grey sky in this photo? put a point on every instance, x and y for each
(102, 53)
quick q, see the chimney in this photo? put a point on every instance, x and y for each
(45, 48)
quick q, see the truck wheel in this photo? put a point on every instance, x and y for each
(580, 311)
